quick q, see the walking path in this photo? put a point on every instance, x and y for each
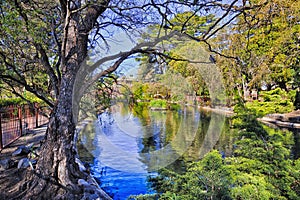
(10, 178)
(35, 136)
(220, 110)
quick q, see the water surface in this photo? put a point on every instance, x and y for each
(125, 146)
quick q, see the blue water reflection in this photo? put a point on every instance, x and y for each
(120, 184)
(127, 146)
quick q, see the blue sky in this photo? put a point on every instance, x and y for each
(120, 42)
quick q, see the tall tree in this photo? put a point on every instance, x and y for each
(266, 43)
(45, 50)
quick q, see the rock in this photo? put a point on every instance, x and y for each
(17, 152)
(94, 196)
(82, 182)
(90, 189)
(91, 180)
(80, 165)
(38, 151)
(23, 163)
(33, 162)
(6, 164)
(30, 145)
(22, 150)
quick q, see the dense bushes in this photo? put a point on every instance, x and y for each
(262, 166)
(158, 103)
(207, 179)
(274, 101)
(10, 101)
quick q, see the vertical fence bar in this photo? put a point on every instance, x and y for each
(1, 145)
(20, 119)
(36, 109)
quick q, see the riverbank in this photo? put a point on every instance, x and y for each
(287, 120)
(220, 110)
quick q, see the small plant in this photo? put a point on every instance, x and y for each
(143, 197)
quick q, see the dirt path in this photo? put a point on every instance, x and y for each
(10, 178)
(35, 137)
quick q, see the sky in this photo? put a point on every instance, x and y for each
(120, 42)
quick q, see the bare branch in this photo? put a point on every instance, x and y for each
(45, 63)
(219, 20)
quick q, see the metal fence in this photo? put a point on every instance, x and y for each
(16, 121)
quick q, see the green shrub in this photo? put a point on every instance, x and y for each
(274, 101)
(19, 101)
(158, 103)
(143, 197)
(207, 179)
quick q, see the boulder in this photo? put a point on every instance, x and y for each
(21, 150)
(80, 165)
(82, 182)
(91, 190)
(88, 196)
(30, 145)
(6, 164)
(23, 163)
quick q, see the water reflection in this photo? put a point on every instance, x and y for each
(129, 145)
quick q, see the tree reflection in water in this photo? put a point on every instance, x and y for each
(131, 144)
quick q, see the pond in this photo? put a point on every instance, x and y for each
(126, 146)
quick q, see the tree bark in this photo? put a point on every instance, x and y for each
(56, 175)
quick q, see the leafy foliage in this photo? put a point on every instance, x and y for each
(265, 47)
(274, 101)
(172, 67)
(139, 90)
(24, 39)
(206, 179)
(261, 167)
(158, 103)
(30, 98)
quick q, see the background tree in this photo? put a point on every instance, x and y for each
(265, 41)
(151, 66)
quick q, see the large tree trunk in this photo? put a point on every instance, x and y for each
(57, 174)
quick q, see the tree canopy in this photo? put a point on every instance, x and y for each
(265, 43)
